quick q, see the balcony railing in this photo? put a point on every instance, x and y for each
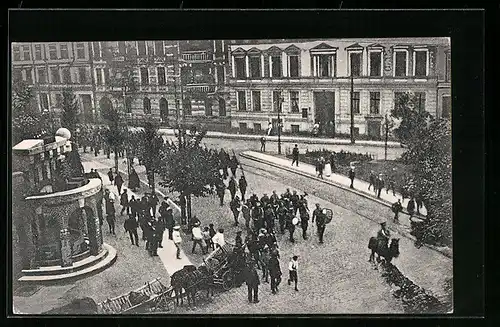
(200, 88)
(196, 56)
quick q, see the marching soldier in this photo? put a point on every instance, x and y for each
(245, 210)
(320, 222)
(295, 202)
(290, 223)
(235, 208)
(282, 213)
(243, 187)
(269, 217)
(304, 218)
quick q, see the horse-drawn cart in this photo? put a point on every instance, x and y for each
(137, 300)
(218, 262)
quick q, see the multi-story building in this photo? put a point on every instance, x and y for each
(51, 67)
(310, 82)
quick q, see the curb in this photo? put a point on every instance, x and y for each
(286, 139)
(403, 233)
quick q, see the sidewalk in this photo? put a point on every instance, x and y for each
(167, 254)
(297, 139)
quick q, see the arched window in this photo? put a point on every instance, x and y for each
(105, 104)
(163, 109)
(147, 105)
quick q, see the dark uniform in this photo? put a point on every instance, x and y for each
(235, 208)
(269, 217)
(289, 224)
(110, 217)
(282, 214)
(253, 282)
(274, 273)
(130, 226)
(304, 219)
(243, 187)
(232, 187)
(221, 190)
(295, 156)
(320, 223)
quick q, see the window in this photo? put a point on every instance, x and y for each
(54, 72)
(277, 101)
(82, 73)
(64, 51)
(42, 76)
(222, 107)
(159, 50)
(239, 63)
(256, 101)
(141, 48)
(420, 63)
(294, 66)
(208, 108)
(97, 49)
(355, 64)
(98, 73)
(121, 48)
(294, 101)
(26, 52)
(38, 52)
(161, 76)
(255, 66)
(446, 110)
(257, 127)
(374, 103)
(305, 111)
(52, 52)
(447, 76)
(44, 101)
(376, 63)
(66, 75)
(80, 51)
(355, 102)
(276, 66)
(144, 76)
(322, 65)
(59, 100)
(419, 101)
(147, 106)
(128, 104)
(400, 64)
(243, 126)
(220, 74)
(242, 101)
(29, 78)
(106, 76)
(16, 53)
(295, 129)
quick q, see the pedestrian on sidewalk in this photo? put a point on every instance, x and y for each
(372, 179)
(130, 226)
(380, 185)
(293, 266)
(110, 218)
(235, 206)
(133, 206)
(252, 280)
(243, 187)
(352, 174)
(218, 238)
(160, 229)
(133, 181)
(262, 144)
(119, 182)
(197, 238)
(169, 222)
(397, 208)
(332, 162)
(321, 167)
(232, 187)
(110, 175)
(124, 202)
(207, 239)
(274, 272)
(176, 235)
(320, 221)
(411, 207)
(295, 155)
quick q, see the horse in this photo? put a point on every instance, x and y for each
(178, 281)
(202, 280)
(382, 250)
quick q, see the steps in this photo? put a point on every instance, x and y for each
(83, 267)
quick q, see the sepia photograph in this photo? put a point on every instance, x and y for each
(232, 176)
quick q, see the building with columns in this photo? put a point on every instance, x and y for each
(310, 82)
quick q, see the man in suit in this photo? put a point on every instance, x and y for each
(243, 187)
(320, 221)
(131, 227)
(295, 155)
(124, 203)
(274, 272)
(235, 206)
(253, 281)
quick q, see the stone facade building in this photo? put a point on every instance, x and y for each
(311, 82)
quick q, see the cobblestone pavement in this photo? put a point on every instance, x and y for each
(334, 277)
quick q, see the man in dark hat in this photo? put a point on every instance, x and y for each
(352, 174)
(197, 237)
(304, 218)
(294, 198)
(124, 203)
(253, 281)
(235, 206)
(254, 199)
(169, 222)
(232, 187)
(130, 226)
(320, 221)
(119, 182)
(383, 235)
(397, 207)
(295, 155)
(110, 218)
(274, 272)
(282, 214)
(258, 216)
(243, 187)
(274, 199)
(264, 199)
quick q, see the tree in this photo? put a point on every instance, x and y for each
(188, 168)
(150, 144)
(27, 120)
(428, 155)
(116, 133)
(69, 118)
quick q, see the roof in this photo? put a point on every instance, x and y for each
(26, 145)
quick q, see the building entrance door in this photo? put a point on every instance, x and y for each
(324, 107)
(374, 129)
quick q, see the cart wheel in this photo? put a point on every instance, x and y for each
(227, 280)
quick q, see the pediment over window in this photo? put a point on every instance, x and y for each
(354, 47)
(254, 51)
(376, 46)
(401, 46)
(323, 48)
(239, 52)
(292, 49)
(274, 50)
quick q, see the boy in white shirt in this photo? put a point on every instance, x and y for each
(218, 238)
(293, 265)
(197, 238)
(176, 237)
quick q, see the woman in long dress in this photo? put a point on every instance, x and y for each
(328, 169)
